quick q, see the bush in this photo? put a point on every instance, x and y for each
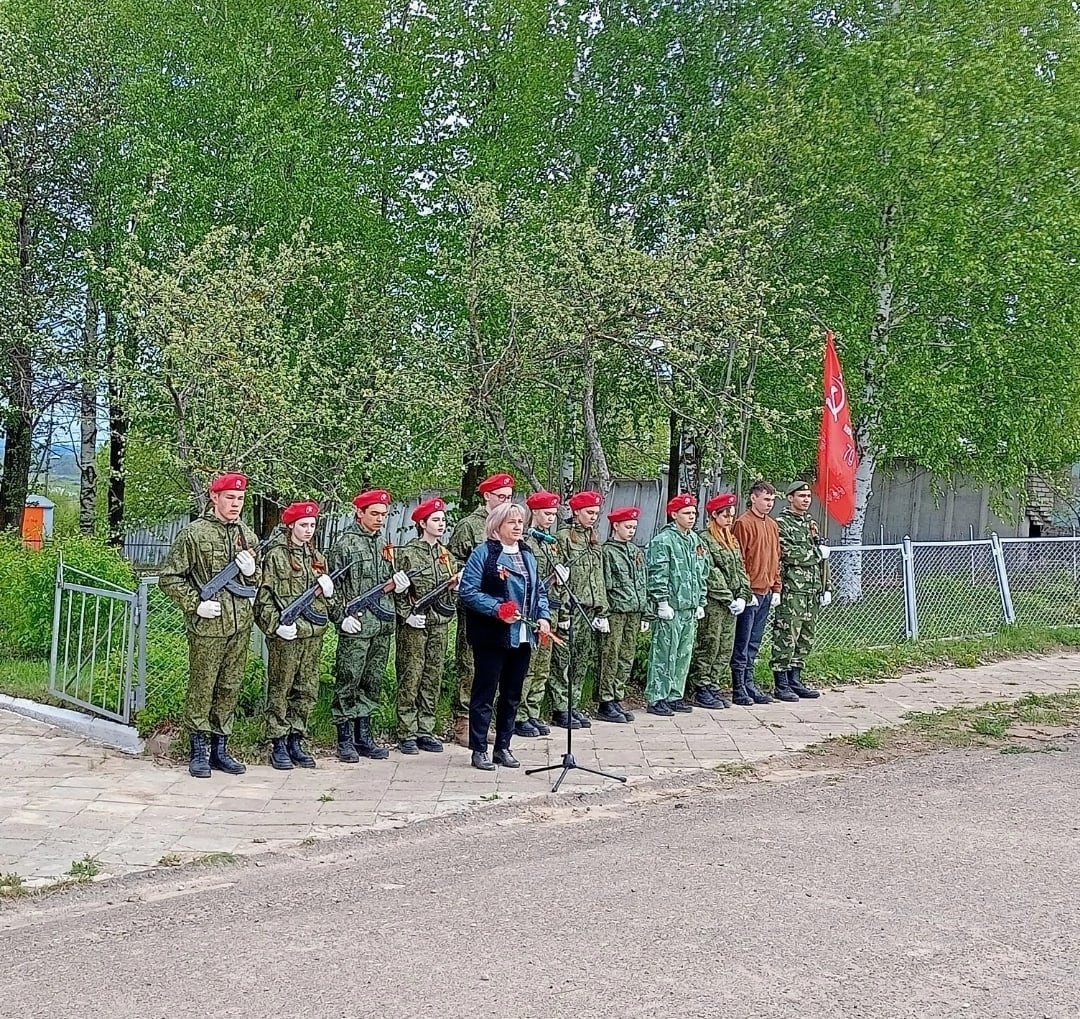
(28, 585)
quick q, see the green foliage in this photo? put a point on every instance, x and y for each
(26, 595)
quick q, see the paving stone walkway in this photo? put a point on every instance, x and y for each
(63, 798)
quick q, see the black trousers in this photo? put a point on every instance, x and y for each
(502, 670)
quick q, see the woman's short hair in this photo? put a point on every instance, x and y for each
(498, 516)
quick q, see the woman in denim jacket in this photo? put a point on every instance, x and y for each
(506, 613)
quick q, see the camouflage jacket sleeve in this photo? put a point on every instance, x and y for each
(339, 556)
(738, 578)
(406, 559)
(717, 584)
(176, 578)
(797, 548)
(463, 539)
(267, 610)
(658, 564)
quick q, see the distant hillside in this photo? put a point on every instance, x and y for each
(64, 465)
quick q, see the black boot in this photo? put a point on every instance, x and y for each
(704, 698)
(297, 754)
(609, 713)
(739, 694)
(756, 694)
(279, 756)
(679, 705)
(540, 727)
(429, 744)
(781, 688)
(628, 715)
(481, 761)
(505, 759)
(564, 720)
(583, 720)
(346, 749)
(200, 763)
(365, 744)
(221, 759)
(526, 728)
(721, 700)
(799, 688)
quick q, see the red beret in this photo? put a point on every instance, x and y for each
(585, 500)
(229, 483)
(425, 509)
(617, 516)
(681, 501)
(299, 510)
(542, 500)
(377, 496)
(719, 502)
(495, 482)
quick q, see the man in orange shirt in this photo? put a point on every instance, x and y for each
(759, 538)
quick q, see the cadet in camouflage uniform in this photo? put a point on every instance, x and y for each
(422, 633)
(802, 558)
(543, 512)
(627, 585)
(363, 649)
(677, 564)
(467, 535)
(727, 594)
(218, 628)
(580, 552)
(292, 566)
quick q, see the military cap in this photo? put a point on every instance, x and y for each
(621, 513)
(298, 510)
(543, 500)
(229, 483)
(797, 486)
(585, 500)
(425, 509)
(495, 482)
(719, 502)
(681, 501)
(374, 497)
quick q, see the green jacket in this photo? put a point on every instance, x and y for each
(369, 567)
(678, 564)
(467, 534)
(288, 571)
(625, 576)
(726, 579)
(800, 561)
(201, 550)
(547, 556)
(582, 553)
(436, 566)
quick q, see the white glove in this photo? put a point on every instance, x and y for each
(601, 625)
(287, 631)
(401, 581)
(737, 607)
(209, 609)
(824, 551)
(699, 613)
(754, 601)
(826, 597)
(350, 624)
(326, 584)
(564, 624)
(417, 622)
(644, 626)
(246, 561)
(664, 611)
(775, 599)
(562, 573)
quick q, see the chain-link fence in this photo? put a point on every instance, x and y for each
(1044, 579)
(868, 608)
(957, 591)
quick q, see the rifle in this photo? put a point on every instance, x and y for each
(369, 599)
(432, 600)
(302, 605)
(225, 578)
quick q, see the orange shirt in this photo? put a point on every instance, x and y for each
(759, 539)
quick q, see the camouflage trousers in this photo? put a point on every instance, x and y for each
(618, 648)
(292, 687)
(536, 683)
(419, 660)
(713, 645)
(669, 656)
(215, 672)
(359, 671)
(586, 647)
(463, 664)
(793, 629)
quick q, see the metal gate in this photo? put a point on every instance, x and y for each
(93, 644)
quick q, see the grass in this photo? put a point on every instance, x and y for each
(215, 860)
(12, 886)
(85, 869)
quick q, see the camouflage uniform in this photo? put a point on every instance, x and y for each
(360, 665)
(217, 648)
(726, 580)
(800, 596)
(421, 654)
(677, 564)
(581, 552)
(467, 534)
(293, 665)
(540, 664)
(626, 581)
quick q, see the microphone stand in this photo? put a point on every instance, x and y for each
(568, 762)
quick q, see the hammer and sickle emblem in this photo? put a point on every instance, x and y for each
(836, 401)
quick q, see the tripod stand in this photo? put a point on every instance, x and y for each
(568, 763)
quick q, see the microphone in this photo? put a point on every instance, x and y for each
(544, 536)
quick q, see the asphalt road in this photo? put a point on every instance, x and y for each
(939, 886)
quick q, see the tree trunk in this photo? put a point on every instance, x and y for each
(674, 463)
(88, 420)
(473, 470)
(118, 429)
(592, 431)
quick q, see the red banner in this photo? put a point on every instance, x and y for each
(837, 456)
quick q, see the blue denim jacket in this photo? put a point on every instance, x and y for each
(490, 577)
